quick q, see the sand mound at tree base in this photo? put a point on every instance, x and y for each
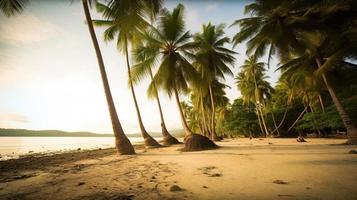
(170, 140)
(151, 143)
(124, 147)
(196, 142)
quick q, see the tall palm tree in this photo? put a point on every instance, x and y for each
(212, 60)
(139, 71)
(12, 7)
(284, 27)
(169, 44)
(253, 85)
(125, 26)
(122, 143)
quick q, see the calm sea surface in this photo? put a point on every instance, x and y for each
(13, 147)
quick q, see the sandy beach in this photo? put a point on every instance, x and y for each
(239, 169)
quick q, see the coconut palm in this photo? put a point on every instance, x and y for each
(12, 7)
(254, 88)
(212, 61)
(122, 143)
(139, 71)
(123, 20)
(169, 44)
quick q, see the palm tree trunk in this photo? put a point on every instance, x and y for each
(187, 130)
(283, 119)
(264, 124)
(314, 122)
(168, 138)
(296, 121)
(347, 121)
(275, 126)
(257, 104)
(149, 141)
(321, 103)
(205, 130)
(122, 143)
(163, 125)
(259, 122)
(213, 116)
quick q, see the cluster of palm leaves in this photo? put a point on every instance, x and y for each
(186, 64)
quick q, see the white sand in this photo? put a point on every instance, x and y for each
(240, 169)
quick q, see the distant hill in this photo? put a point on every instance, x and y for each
(56, 133)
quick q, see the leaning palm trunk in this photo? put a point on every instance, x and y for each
(187, 130)
(275, 126)
(214, 136)
(321, 104)
(314, 122)
(283, 119)
(263, 122)
(347, 121)
(205, 129)
(122, 143)
(168, 138)
(149, 141)
(259, 121)
(299, 117)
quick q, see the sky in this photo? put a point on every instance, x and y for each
(49, 76)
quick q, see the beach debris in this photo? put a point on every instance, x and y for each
(270, 143)
(175, 188)
(30, 151)
(352, 151)
(81, 183)
(215, 175)
(308, 188)
(280, 182)
(78, 149)
(300, 139)
(210, 171)
(204, 187)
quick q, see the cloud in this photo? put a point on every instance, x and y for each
(211, 7)
(14, 117)
(27, 28)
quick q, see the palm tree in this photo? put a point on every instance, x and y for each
(254, 88)
(212, 61)
(169, 45)
(125, 26)
(12, 7)
(122, 143)
(285, 28)
(142, 69)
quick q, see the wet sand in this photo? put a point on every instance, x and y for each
(239, 169)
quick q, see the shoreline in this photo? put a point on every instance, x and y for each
(266, 168)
